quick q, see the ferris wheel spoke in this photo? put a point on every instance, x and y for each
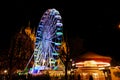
(57, 25)
(53, 31)
(54, 50)
(50, 19)
(51, 27)
(53, 35)
(56, 34)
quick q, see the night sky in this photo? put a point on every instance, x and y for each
(96, 23)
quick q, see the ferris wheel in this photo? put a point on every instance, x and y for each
(48, 40)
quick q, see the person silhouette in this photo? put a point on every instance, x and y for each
(91, 77)
(79, 77)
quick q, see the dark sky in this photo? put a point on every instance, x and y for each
(96, 22)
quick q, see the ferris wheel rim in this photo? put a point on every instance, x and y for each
(49, 35)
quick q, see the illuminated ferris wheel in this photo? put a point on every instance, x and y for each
(48, 41)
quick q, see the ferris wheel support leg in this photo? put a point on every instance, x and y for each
(29, 62)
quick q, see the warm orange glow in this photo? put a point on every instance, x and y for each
(92, 63)
(5, 71)
(119, 26)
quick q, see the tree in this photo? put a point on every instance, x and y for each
(65, 56)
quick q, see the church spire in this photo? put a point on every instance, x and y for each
(28, 29)
(29, 23)
(33, 31)
(21, 30)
